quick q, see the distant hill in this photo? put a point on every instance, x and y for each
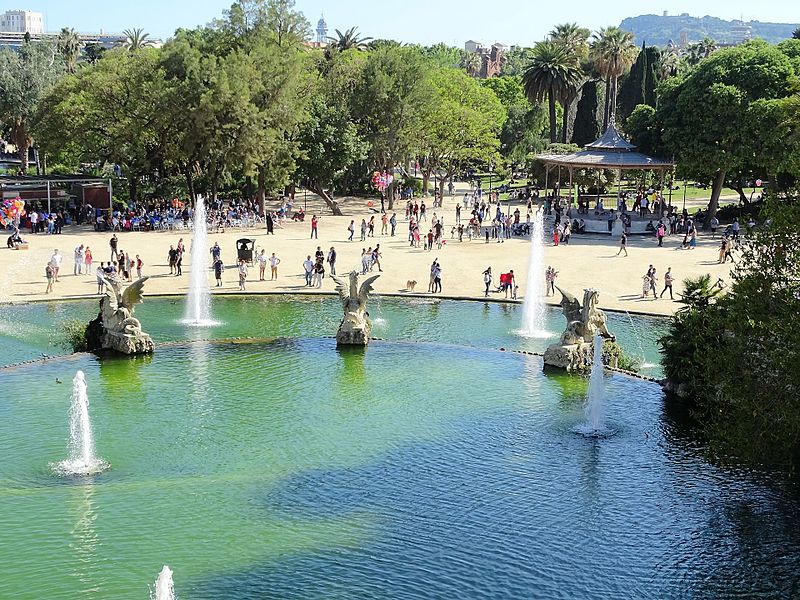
(657, 30)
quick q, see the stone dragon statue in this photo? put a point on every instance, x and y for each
(115, 328)
(583, 323)
(355, 327)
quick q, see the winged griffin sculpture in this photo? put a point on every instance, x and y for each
(583, 323)
(115, 327)
(355, 327)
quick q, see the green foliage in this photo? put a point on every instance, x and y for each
(615, 356)
(737, 354)
(26, 77)
(73, 335)
(586, 128)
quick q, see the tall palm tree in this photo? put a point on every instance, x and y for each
(471, 62)
(669, 64)
(69, 45)
(614, 52)
(575, 40)
(349, 39)
(551, 73)
(136, 39)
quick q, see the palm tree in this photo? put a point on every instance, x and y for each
(551, 73)
(471, 62)
(572, 37)
(69, 45)
(614, 52)
(575, 40)
(670, 64)
(136, 38)
(706, 47)
(796, 34)
(349, 39)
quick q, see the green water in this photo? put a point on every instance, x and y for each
(425, 467)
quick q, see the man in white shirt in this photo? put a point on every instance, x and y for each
(34, 221)
(79, 257)
(55, 263)
(308, 266)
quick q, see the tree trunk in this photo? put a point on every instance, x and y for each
(330, 202)
(261, 191)
(187, 173)
(566, 120)
(607, 102)
(551, 100)
(133, 188)
(716, 189)
(23, 145)
(612, 102)
(740, 190)
(426, 179)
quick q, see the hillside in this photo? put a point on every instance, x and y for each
(657, 30)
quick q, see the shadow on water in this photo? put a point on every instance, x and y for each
(123, 374)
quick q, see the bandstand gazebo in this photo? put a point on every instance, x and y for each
(609, 151)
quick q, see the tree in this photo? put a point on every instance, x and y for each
(349, 40)
(586, 128)
(386, 103)
(639, 86)
(93, 52)
(574, 40)
(551, 73)
(136, 39)
(670, 64)
(113, 112)
(613, 52)
(69, 45)
(471, 62)
(703, 114)
(26, 76)
(459, 124)
(796, 34)
(330, 142)
(524, 130)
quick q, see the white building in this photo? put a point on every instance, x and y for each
(22, 21)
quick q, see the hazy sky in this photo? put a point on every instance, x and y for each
(422, 21)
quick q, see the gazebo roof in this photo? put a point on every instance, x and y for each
(609, 151)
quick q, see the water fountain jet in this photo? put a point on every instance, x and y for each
(82, 460)
(594, 410)
(198, 300)
(533, 309)
(164, 588)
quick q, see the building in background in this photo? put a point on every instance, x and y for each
(22, 21)
(322, 30)
(491, 59)
(18, 25)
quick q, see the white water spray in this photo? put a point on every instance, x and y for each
(164, 588)
(533, 309)
(82, 460)
(198, 301)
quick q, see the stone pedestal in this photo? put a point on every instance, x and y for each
(128, 344)
(353, 336)
(573, 358)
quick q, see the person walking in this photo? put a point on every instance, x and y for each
(218, 268)
(308, 268)
(332, 260)
(384, 223)
(55, 263)
(668, 279)
(363, 230)
(319, 273)
(550, 281)
(48, 272)
(653, 281)
(393, 222)
(351, 229)
(172, 257)
(139, 265)
(487, 281)
(262, 264)
(242, 275)
(371, 227)
(314, 224)
(100, 274)
(661, 231)
(623, 244)
(88, 260)
(437, 278)
(113, 242)
(79, 257)
(274, 261)
(376, 258)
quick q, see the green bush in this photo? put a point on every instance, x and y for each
(614, 356)
(74, 335)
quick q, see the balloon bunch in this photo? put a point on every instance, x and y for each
(11, 210)
(177, 203)
(381, 181)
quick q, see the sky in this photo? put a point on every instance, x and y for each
(453, 22)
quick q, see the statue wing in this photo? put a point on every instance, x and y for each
(568, 298)
(111, 294)
(341, 288)
(366, 288)
(133, 293)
